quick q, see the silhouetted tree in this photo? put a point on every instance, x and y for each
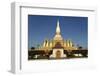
(32, 47)
(80, 47)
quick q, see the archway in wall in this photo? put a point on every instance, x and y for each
(58, 54)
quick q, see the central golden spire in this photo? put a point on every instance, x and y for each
(58, 34)
(58, 28)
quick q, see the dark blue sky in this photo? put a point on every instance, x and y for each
(43, 27)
